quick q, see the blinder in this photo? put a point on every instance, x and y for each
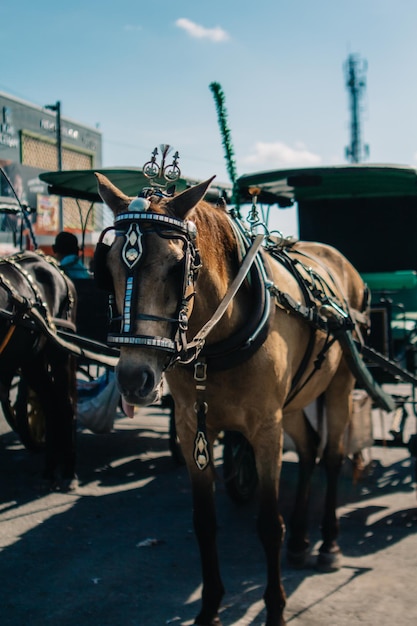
(102, 275)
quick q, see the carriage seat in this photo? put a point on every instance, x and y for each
(397, 291)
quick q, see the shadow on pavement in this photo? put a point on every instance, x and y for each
(121, 550)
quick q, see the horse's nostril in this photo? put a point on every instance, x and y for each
(138, 382)
(145, 382)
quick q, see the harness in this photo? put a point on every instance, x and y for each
(20, 307)
(319, 305)
(32, 313)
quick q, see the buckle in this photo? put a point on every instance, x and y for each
(200, 371)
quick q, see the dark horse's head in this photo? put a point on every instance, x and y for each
(151, 265)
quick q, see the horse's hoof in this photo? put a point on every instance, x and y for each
(298, 560)
(67, 484)
(329, 561)
(45, 484)
(214, 622)
(57, 483)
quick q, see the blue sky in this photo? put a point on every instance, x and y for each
(141, 70)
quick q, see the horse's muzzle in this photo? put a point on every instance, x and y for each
(139, 385)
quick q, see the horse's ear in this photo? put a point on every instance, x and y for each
(187, 200)
(111, 195)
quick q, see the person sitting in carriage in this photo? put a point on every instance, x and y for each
(66, 250)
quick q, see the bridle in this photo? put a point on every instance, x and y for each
(134, 226)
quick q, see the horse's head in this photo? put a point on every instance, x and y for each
(151, 267)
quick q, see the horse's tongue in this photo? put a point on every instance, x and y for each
(128, 409)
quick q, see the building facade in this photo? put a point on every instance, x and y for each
(36, 139)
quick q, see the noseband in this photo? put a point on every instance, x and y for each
(133, 226)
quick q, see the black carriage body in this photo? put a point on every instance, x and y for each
(376, 234)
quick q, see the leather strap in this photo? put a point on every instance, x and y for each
(199, 339)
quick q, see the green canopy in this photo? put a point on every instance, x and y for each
(284, 187)
(82, 184)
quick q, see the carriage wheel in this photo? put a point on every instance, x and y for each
(25, 416)
(6, 405)
(239, 467)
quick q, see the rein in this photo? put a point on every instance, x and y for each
(196, 345)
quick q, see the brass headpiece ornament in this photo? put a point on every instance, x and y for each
(159, 174)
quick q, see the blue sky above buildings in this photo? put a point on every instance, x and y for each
(141, 71)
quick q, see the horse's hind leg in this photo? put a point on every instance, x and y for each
(306, 441)
(338, 409)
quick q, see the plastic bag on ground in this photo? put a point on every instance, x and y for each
(97, 403)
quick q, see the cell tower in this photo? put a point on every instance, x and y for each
(355, 69)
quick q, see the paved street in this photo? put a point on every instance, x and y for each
(121, 551)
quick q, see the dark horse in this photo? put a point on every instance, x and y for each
(35, 297)
(233, 363)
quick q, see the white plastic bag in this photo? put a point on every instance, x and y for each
(97, 405)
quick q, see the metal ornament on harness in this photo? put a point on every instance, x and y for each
(160, 174)
(201, 447)
(132, 249)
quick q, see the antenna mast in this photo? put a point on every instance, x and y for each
(355, 69)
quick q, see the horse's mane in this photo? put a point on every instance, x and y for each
(215, 236)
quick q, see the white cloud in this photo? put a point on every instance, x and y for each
(200, 32)
(278, 154)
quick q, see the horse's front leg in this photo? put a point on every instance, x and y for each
(205, 526)
(268, 452)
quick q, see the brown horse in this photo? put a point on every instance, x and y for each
(250, 367)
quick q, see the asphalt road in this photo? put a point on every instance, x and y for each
(120, 551)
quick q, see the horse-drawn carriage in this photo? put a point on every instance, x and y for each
(249, 329)
(369, 213)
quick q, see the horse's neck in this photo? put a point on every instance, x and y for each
(218, 250)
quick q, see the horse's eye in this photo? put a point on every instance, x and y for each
(176, 270)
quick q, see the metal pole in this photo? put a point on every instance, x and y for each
(57, 108)
(59, 149)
